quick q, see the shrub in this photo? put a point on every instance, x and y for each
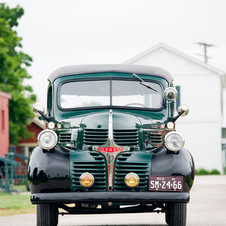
(203, 171)
(215, 172)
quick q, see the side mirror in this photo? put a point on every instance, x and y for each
(38, 110)
(170, 93)
(183, 108)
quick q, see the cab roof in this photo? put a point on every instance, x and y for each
(101, 68)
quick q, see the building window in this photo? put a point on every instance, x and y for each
(3, 120)
(178, 97)
(222, 103)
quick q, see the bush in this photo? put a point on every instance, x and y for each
(203, 171)
(214, 172)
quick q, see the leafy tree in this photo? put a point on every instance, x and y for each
(13, 64)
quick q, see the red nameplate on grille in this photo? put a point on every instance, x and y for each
(110, 149)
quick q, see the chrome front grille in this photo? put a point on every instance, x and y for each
(95, 136)
(64, 137)
(126, 137)
(96, 166)
(156, 138)
(124, 166)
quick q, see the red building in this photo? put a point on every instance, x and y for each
(26, 146)
(4, 123)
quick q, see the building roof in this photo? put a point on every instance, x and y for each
(181, 54)
(39, 123)
(5, 95)
(100, 68)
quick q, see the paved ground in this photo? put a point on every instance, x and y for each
(206, 208)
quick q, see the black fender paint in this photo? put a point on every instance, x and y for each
(168, 163)
(49, 171)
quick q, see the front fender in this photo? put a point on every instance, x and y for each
(49, 171)
(168, 163)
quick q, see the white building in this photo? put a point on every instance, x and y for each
(200, 87)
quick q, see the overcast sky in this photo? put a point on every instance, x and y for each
(64, 32)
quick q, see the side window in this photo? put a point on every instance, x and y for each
(178, 98)
(49, 102)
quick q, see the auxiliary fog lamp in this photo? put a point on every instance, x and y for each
(86, 180)
(132, 180)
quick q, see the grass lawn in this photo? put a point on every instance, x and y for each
(15, 204)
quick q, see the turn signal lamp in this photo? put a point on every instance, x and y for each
(132, 180)
(86, 180)
(51, 125)
(170, 125)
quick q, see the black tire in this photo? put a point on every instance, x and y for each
(47, 215)
(176, 214)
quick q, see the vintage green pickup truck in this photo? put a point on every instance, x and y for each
(110, 145)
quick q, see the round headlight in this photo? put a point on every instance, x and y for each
(86, 180)
(132, 180)
(47, 139)
(174, 141)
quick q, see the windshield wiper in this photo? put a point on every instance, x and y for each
(144, 83)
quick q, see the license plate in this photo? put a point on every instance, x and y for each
(165, 183)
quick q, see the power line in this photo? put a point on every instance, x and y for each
(205, 45)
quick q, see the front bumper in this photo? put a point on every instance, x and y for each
(109, 196)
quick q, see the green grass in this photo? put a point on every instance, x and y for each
(15, 204)
(20, 188)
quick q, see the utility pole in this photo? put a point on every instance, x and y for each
(205, 45)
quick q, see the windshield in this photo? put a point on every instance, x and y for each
(121, 93)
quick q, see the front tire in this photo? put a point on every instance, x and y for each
(47, 215)
(176, 214)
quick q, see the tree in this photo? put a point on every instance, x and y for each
(13, 72)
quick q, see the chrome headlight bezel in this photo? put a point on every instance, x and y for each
(169, 142)
(44, 133)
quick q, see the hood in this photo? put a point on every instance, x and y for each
(120, 121)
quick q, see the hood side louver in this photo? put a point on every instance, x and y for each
(64, 137)
(156, 138)
(95, 136)
(126, 137)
